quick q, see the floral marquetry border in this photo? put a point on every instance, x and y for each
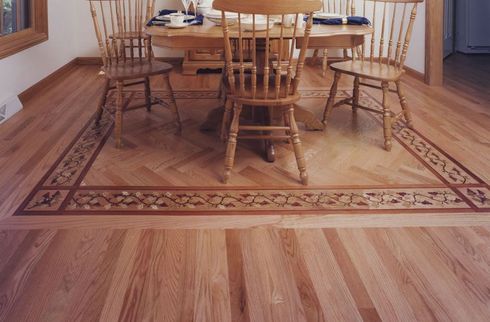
(60, 191)
(69, 169)
(265, 200)
(480, 196)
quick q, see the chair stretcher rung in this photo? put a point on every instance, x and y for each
(375, 86)
(366, 108)
(264, 137)
(262, 128)
(128, 84)
(342, 102)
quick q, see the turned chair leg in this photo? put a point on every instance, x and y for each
(325, 62)
(331, 98)
(297, 146)
(148, 94)
(225, 123)
(103, 100)
(232, 142)
(355, 94)
(119, 114)
(387, 117)
(404, 104)
(172, 104)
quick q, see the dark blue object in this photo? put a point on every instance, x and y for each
(353, 20)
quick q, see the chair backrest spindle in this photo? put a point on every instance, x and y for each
(279, 72)
(395, 30)
(344, 7)
(119, 28)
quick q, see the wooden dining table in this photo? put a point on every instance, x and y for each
(209, 36)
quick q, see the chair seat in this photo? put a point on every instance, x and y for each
(366, 69)
(136, 69)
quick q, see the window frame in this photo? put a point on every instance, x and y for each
(37, 32)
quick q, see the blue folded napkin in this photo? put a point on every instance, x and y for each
(353, 20)
(198, 20)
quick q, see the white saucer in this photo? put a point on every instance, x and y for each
(177, 26)
(167, 17)
(327, 15)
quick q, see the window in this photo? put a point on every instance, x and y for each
(23, 24)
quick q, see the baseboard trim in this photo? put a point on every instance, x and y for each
(415, 74)
(48, 81)
(52, 78)
(98, 60)
(408, 71)
(63, 70)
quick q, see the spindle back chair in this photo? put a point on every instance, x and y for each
(119, 27)
(268, 80)
(126, 54)
(342, 7)
(382, 58)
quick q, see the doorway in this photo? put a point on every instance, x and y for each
(466, 48)
(448, 29)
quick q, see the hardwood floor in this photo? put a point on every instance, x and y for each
(398, 274)
(153, 156)
(466, 74)
(241, 268)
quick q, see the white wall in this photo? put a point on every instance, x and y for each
(416, 51)
(22, 70)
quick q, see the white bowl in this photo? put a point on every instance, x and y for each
(215, 16)
(260, 24)
(217, 21)
(202, 9)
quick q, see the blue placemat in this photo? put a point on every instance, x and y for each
(198, 20)
(353, 20)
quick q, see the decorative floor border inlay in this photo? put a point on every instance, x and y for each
(60, 191)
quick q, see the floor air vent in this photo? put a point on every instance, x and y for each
(9, 108)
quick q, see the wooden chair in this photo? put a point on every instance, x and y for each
(344, 7)
(127, 56)
(265, 82)
(384, 64)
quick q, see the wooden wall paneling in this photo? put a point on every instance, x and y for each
(434, 42)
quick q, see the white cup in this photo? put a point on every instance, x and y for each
(177, 18)
(203, 9)
(288, 20)
(301, 20)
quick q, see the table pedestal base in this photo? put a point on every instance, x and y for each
(215, 116)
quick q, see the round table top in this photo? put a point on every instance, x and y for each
(211, 31)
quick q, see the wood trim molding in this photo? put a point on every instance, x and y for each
(176, 61)
(409, 71)
(414, 73)
(47, 81)
(18, 41)
(98, 60)
(63, 70)
(434, 42)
